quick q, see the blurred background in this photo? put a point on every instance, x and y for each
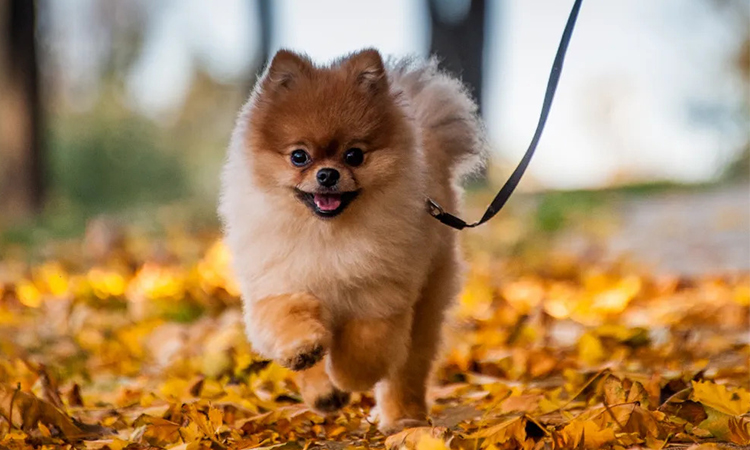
(124, 108)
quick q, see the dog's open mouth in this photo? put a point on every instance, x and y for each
(326, 204)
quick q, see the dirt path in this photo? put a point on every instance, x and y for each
(682, 232)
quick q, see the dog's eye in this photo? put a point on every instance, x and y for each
(300, 158)
(354, 157)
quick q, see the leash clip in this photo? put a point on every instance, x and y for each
(437, 211)
(434, 209)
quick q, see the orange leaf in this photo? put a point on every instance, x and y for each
(586, 434)
(739, 430)
(411, 438)
(158, 431)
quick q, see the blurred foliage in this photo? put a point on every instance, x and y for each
(102, 165)
(739, 169)
(557, 210)
(107, 160)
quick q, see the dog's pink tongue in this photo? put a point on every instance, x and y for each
(327, 202)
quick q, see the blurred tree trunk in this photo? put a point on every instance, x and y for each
(21, 170)
(265, 17)
(458, 39)
(264, 9)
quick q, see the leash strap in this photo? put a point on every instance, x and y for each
(498, 202)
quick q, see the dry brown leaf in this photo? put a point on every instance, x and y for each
(638, 394)
(50, 391)
(521, 403)
(157, 431)
(643, 423)
(693, 412)
(74, 396)
(739, 430)
(617, 392)
(26, 411)
(614, 392)
(500, 433)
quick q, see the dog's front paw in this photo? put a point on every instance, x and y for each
(331, 401)
(304, 342)
(393, 427)
(388, 426)
(319, 393)
(303, 356)
(292, 329)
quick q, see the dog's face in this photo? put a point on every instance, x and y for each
(326, 136)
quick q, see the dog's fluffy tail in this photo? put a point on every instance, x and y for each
(452, 134)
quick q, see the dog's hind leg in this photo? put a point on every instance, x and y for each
(401, 398)
(364, 351)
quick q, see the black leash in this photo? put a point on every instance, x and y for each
(498, 202)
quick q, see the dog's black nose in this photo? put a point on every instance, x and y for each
(327, 177)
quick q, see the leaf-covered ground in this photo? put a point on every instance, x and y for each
(137, 343)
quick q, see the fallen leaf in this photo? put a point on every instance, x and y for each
(614, 392)
(157, 431)
(638, 394)
(74, 396)
(521, 403)
(431, 443)
(585, 434)
(50, 391)
(26, 411)
(729, 401)
(410, 438)
(500, 433)
(739, 430)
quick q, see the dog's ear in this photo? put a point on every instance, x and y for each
(286, 68)
(368, 70)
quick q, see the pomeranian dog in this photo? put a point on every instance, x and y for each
(344, 275)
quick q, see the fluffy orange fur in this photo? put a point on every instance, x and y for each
(352, 300)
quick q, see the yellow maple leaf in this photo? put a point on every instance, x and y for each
(431, 443)
(614, 392)
(158, 431)
(586, 434)
(734, 402)
(190, 433)
(515, 428)
(421, 438)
